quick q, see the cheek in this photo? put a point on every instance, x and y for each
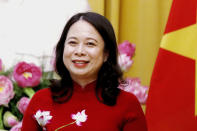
(67, 51)
(66, 56)
(66, 62)
(99, 57)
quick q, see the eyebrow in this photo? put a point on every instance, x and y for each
(88, 38)
(72, 37)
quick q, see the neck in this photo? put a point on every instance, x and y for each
(83, 82)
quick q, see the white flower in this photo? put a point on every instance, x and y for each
(124, 61)
(79, 117)
(43, 117)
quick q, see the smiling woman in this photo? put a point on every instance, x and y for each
(86, 61)
(83, 52)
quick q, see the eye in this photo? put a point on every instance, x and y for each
(72, 43)
(91, 44)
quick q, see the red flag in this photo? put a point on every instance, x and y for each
(171, 104)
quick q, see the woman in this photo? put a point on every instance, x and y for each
(86, 97)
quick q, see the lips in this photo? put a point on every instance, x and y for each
(80, 63)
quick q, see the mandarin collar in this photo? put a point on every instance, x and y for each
(89, 87)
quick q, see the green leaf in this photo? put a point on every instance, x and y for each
(29, 92)
(1, 117)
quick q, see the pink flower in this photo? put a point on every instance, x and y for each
(127, 48)
(22, 104)
(1, 65)
(79, 117)
(17, 127)
(9, 119)
(133, 85)
(27, 75)
(6, 90)
(125, 62)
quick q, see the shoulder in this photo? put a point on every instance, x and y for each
(45, 93)
(41, 99)
(41, 96)
(127, 97)
(130, 103)
(133, 109)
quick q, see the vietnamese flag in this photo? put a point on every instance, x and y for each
(172, 99)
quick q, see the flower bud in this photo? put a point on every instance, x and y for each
(22, 104)
(17, 127)
(9, 119)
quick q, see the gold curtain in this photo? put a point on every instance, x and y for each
(141, 22)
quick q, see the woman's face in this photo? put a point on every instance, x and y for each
(83, 51)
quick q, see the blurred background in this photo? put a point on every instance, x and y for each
(29, 29)
(141, 22)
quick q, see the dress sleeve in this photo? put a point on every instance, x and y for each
(135, 119)
(28, 122)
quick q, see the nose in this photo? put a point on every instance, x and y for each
(80, 50)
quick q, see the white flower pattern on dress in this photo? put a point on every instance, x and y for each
(79, 117)
(43, 118)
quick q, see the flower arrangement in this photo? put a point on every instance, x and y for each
(17, 85)
(132, 85)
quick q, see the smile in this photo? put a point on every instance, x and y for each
(80, 63)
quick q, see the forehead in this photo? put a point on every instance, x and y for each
(83, 27)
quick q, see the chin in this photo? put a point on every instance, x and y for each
(80, 74)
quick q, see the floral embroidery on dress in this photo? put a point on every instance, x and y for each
(79, 117)
(43, 118)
